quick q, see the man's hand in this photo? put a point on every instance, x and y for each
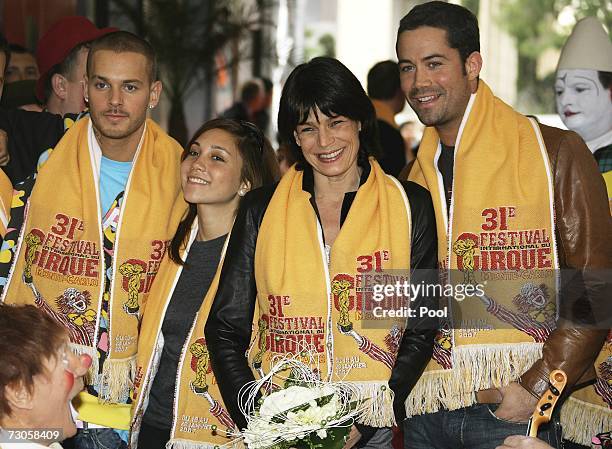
(4, 154)
(517, 403)
(523, 442)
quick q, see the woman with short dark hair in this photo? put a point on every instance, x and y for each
(300, 252)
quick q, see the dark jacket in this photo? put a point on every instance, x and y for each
(228, 330)
(29, 135)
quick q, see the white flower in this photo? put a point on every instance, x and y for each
(262, 431)
(283, 400)
(322, 433)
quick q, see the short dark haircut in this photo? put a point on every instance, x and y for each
(250, 90)
(267, 84)
(327, 84)
(383, 80)
(64, 68)
(4, 47)
(460, 24)
(259, 167)
(605, 78)
(16, 48)
(28, 338)
(122, 42)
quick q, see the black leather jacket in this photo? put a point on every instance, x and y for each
(228, 330)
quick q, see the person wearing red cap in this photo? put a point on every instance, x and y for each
(62, 55)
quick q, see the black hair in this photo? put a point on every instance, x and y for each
(325, 83)
(122, 42)
(383, 80)
(64, 68)
(16, 48)
(4, 47)
(460, 24)
(259, 167)
(249, 91)
(267, 84)
(605, 78)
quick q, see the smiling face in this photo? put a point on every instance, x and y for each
(211, 173)
(436, 83)
(584, 105)
(54, 389)
(330, 144)
(119, 93)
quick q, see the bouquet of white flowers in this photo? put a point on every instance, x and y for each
(306, 413)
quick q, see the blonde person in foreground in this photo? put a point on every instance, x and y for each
(98, 219)
(177, 397)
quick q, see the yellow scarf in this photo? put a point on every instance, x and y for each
(200, 419)
(60, 262)
(501, 218)
(306, 305)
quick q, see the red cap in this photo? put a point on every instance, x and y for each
(57, 43)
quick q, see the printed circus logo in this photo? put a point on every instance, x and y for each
(356, 292)
(137, 276)
(283, 334)
(60, 256)
(499, 249)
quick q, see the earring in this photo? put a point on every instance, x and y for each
(241, 192)
(150, 106)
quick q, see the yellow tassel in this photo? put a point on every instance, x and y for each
(581, 421)
(476, 367)
(116, 380)
(379, 405)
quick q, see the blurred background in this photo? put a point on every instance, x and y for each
(208, 49)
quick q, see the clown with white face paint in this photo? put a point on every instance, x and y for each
(583, 89)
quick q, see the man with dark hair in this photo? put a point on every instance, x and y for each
(113, 230)
(39, 376)
(495, 175)
(388, 99)
(262, 117)
(22, 66)
(251, 102)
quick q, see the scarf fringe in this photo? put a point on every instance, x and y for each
(582, 420)
(90, 376)
(177, 443)
(493, 365)
(476, 367)
(116, 380)
(379, 406)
